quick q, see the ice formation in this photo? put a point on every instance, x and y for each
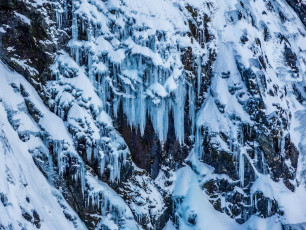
(221, 83)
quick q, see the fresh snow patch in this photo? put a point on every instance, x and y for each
(23, 18)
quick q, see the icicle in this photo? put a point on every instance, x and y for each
(74, 28)
(114, 168)
(59, 19)
(241, 168)
(88, 152)
(103, 91)
(132, 111)
(179, 113)
(82, 177)
(129, 106)
(263, 163)
(159, 119)
(197, 143)
(199, 75)
(256, 154)
(75, 52)
(95, 151)
(269, 207)
(57, 147)
(165, 120)
(90, 62)
(93, 197)
(191, 101)
(116, 103)
(102, 162)
(98, 201)
(89, 32)
(65, 9)
(241, 136)
(155, 75)
(141, 111)
(282, 146)
(50, 169)
(223, 203)
(103, 206)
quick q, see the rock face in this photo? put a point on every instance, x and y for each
(165, 114)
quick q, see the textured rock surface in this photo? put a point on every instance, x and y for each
(153, 114)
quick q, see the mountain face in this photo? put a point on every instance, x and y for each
(142, 114)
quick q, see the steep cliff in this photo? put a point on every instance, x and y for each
(164, 114)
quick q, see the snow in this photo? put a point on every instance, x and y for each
(25, 66)
(20, 178)
(147, 200)
(170, 84)
(195, 202)
(87, 113)
(23, 18)
(169, 226)
(144, 51)
(158, 90)
(10, 48)
(100, 68)
(76, 112)
(138, 60)
(298, 132)
(105, 118)
(271, 223)
(131, 54)
(112, 205)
